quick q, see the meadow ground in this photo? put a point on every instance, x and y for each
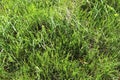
(59, 39)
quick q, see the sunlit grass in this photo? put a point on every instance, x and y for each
(59, 40)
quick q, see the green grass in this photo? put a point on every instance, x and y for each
(59, 40)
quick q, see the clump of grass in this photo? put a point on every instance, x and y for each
(76, 40)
